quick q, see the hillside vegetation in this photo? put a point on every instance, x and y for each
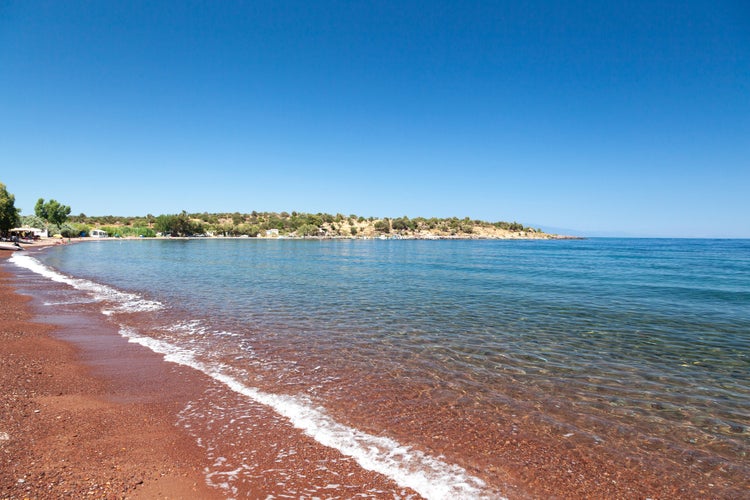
(294, 224)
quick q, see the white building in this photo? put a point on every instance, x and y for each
(98, 233)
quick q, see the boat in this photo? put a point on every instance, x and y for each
(10, 246)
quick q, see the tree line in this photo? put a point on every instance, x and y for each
(285, 223)
(56, 217)
(48, 214)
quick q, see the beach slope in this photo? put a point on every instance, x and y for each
(65, 432)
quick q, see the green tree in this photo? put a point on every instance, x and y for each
(33, 221)
(163, 224)
(52, 211)
(68, 231)
(177, 225)
(315, 220)
(384, 226)
(403, 224)
(253, 230)
(80, 229)
(399, 225)
(182, 225)
(308, 230)
(8, 210)
(40, 209)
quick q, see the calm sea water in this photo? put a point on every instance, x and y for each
(645, 343)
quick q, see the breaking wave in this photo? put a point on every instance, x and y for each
(430, 476)
(121, 301)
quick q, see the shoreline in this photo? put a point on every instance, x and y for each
(103, 428)
(64, 241)
(85, 413)
(70, 430)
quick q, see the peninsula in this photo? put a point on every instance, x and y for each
(300, 225)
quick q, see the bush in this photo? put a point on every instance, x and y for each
(80, 229)
(67, 231)
(251, 230)
(399, 225)
(403, 224)
(383, 226)
(307, 230)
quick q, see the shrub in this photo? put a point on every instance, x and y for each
(383, 226)
(307, 230)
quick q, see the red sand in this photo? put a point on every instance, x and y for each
(62, 434)
(93, 416)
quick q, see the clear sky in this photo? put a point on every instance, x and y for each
(607, 118)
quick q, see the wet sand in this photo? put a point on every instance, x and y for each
(83, 413)
(65, 432)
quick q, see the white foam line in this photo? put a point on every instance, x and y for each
(128, 302)
(429, 476)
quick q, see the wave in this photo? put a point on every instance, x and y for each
(123, 301)
(429, 476)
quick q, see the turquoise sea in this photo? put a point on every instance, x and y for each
(420, 356)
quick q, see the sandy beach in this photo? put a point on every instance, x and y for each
(84, 413)
(66, 432)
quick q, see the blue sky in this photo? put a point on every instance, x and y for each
(623, 119)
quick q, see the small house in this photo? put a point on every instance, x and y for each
(98, 233)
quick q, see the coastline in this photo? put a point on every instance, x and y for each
(85, 413)
(86, 384)
(66, 431)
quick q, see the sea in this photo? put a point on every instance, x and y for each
(430, 362)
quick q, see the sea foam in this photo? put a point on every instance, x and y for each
(123, 301)
(429, 476)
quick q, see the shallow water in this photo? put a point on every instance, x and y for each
(417, 357)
